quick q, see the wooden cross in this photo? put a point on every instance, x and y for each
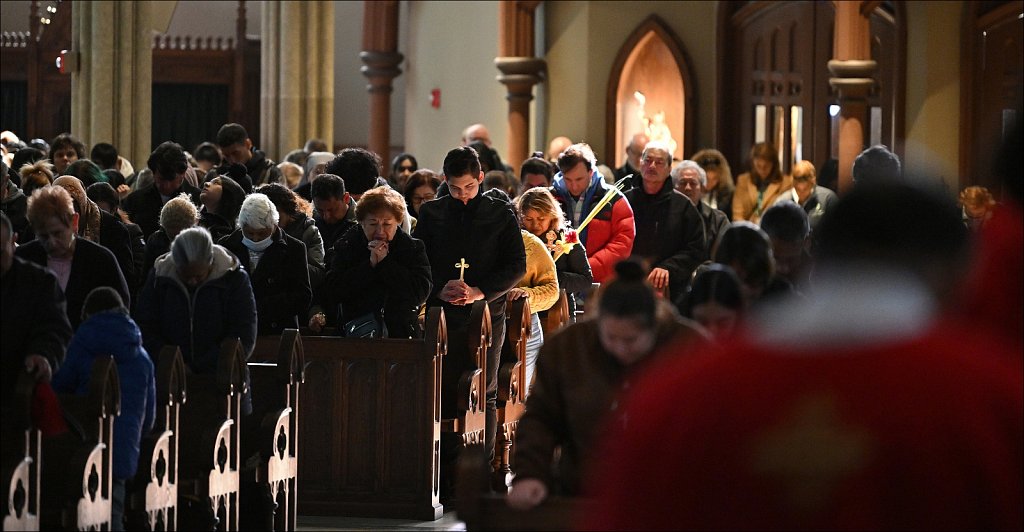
(462, 265)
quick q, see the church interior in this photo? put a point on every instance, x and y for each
(937, 83)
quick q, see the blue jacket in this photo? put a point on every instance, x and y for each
(197, 322)
(114, 333)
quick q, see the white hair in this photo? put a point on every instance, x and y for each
(677, 172)
(660, 146)
(258, 212)
(192, 246)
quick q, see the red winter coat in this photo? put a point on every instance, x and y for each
(608, 238)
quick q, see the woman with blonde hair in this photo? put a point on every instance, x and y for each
(757, 189)
(720, 187)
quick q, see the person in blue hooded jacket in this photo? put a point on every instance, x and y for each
(106, 329)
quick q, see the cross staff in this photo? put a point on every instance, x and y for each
(462, 265)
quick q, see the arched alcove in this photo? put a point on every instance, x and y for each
(650, 89)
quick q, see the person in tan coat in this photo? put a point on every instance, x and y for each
(758, 189)
(581, 370)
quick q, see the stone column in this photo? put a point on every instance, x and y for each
(297, 75)
(381, 59)
(520, 71)
(851, 69)
(112, 88)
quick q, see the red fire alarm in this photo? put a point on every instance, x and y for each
(435, 98)
(67, 61)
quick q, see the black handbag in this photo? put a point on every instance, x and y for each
(369, 325)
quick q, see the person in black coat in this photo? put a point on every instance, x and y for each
(222, 198)
(380, 269)
(276, 264)
(169, 166)
(196, 296)
(79, 264)
(31, 336)
(467, 227)
(669, 229)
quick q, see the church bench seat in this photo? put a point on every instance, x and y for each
(369, 434)
(20, 457)
(152, 502)
(483, 509)
(77, 465)
(208, 459)
(557, 316)
(270, 485)
(512, 388)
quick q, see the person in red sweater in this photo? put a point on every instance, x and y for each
(862, 406)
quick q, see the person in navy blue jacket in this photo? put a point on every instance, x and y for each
(106, 329)
(195, 297)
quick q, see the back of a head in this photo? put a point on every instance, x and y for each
(26, 156)
(178, 214)
(896, 225)
(208, 152)
(104, 155)
(717, 283)
(327, 186)
(786, 221)
(86, 171)
(747, 248)
(192, 246)
(628, 295)
(231, 134)
(461, 161)
(489, 160)
(103, 192)
(876, 164)
(313, 145)
(167, 161)
(359, 169)
(497, 179)
(102, 299)
(536, 165)
(282, 197)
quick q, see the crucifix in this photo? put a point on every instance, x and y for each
(462, 265)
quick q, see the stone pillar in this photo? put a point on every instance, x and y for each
(520, 71)
(296, 75)
(851, 69)
(381, 59)
(112, 88)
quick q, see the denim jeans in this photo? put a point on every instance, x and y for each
(533, 344)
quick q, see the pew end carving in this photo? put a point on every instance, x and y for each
(558, 315)
(21, 457)
(270, 486)
(469, 419)
(512, 389)
(208, 468)
(152, 503)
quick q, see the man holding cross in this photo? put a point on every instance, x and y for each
(476, 252)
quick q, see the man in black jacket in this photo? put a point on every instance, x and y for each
(669, 230)
(237, 148)
(169, 165)
(469, 228)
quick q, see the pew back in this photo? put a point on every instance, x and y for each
(20, 457)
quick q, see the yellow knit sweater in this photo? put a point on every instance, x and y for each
(541, 279)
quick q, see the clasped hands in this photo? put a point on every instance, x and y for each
(458, 292)
(378, 250)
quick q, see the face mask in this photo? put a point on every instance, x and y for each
(262, 245)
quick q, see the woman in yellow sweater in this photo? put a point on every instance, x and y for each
(540, 286)
(757, 189)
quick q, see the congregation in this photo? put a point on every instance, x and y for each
(748, 352)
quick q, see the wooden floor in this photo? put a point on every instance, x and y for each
(448, 521)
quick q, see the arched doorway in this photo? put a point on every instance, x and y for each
(650, 90)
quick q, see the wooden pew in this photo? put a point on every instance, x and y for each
(557, 316)
(468, 421)
(371, 423)
(270, 489)
(483, 510)
(77, 470)
(512, 388)
(208, 465)
(152, 502)
(20, 457)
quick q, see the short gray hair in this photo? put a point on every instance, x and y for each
(178, 214)
(258, 212)
(192, 246)
(677, 172)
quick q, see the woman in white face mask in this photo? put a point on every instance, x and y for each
(276, 264)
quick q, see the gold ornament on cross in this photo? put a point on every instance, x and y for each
(462, 265)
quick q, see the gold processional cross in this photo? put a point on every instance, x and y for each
(462, 265)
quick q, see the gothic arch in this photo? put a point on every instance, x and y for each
(651, 42)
